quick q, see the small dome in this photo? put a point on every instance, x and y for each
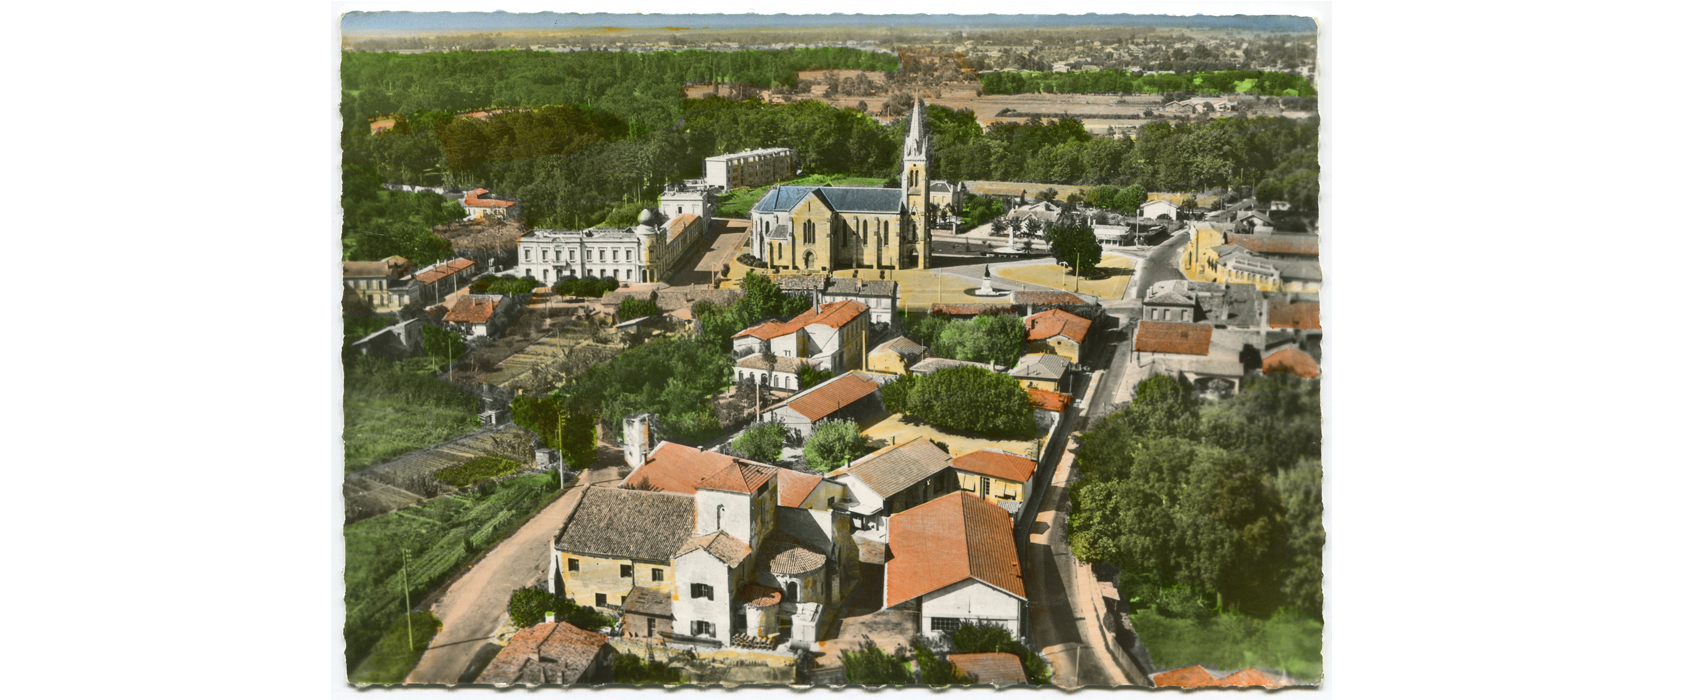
(647, 218)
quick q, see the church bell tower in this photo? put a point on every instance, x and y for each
(917, 152)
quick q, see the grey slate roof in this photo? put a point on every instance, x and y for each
(629, 524)
(863, 199)
(901, 345)
(648, 601)
(892, 469)
(1040, 366)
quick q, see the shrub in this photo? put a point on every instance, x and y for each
(972, 399)
(748, 260)
(762, 443)
(984, 639)
(477, 470)
(530, 606)
(589, 287)
(834, 444)
(896, 394)
(633, 307)
(632, 669)
(871, 665)
(808, 376)
(934, 670)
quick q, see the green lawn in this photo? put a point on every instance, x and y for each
(439, 536)
(391, 408)
(1291, 642)
(394, 657)
(735, 204)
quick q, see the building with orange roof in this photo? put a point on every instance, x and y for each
(481, 315)
(1201, 677)
(552, 653)
(1057, 332)
(680, 544)
(956, 556)
(998, 668)
(1293, 361)
(1004, 478)
(439, 280)
(854, 396)
(831, 336)
(479, 206)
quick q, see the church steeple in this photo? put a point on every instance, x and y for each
(917, 144)
(917, 174)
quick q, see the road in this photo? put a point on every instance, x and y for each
(1160, 264)
(1067, 632)
(473, 606)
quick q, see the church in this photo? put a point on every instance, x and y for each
(820, 229)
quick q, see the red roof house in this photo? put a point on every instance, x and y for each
(953, 551)
(1054, 322)
(1172, 337)
(1292, 361)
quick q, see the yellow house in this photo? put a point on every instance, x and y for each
(619, 540)
(997, 476)
(1057, 332)
(896, 356)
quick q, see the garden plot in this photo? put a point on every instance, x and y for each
(410, 479)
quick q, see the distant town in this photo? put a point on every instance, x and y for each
(923, 357)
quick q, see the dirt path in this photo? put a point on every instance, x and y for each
(473, 606)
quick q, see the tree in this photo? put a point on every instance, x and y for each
(1000, 226)
(871, 665)
(1129, 199)
(895, 394)
(1301, 502)
(633, 307)
(935, 671)
(808, 376)
(1234, 532)
(972, 399)
(1074, 245)
(1048, 194)
(442, 344)
(762, 443)
(834, 444)
(990, 338)
(529, 606)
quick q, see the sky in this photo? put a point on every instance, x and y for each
(357, 22)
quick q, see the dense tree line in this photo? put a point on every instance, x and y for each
(378, 223)
(1114, 80)
(1223, 499)
(642, 89)
(761, 300)
(671, 377)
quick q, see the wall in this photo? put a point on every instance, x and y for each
(1057, 345)
(701, 567)
(972, 600)
(602, 575)
(1001, 489)
(722, 510)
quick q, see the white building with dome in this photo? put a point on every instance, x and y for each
(651, 251)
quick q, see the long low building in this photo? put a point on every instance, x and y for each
(957, 556)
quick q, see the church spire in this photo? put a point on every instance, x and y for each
(916, 143)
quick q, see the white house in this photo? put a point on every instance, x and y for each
(894, 479)
(957, 556)
(832, 336)
(1159, 209)
(852, 396)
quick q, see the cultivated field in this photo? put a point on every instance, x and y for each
(409, 479)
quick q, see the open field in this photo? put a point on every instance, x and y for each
(392, 408)
(439, 536)
(1110, 281)
(395, 655)
(1289, 642)
(893, 428)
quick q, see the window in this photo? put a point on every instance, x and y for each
(628, 255)
(602, 255)
(656, 574)
(602, 600)
(572, 255)
(572, 565)
(625, 571)
(791, 591)
(651, 622)
(948, 625)
(528, 255)
(702, 590)
(702, 628)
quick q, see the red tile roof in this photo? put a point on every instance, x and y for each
(679, 225)
(759, 596)
(826, 398)
(444, 270)
(997, 668)
(1200, 677)
(1002, 465)
(473, 200)
(1306, 315)
(474, 308)
(1277, 243)
(949, 540)
(1048, 400)
(795, 487)
(834, 315)
(974, 309)
(684, 469)
(739, 477)
(552, 652)
(1171, 337)
(1292, 361)
(1050, 324)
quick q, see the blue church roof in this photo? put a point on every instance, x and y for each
(843, 199)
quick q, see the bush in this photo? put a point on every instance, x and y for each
(477, 470)
(589, 287)
(934, 670)
(530, 606)
(985, 639)
(972, 399)
(748, 260)
(808, 376)
(762, 443)
(871, 665)
(834, 444)
(632, 669)
(896, 394)
(443, 345)
(633, 307)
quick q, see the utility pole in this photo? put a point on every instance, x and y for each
(406, 600)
